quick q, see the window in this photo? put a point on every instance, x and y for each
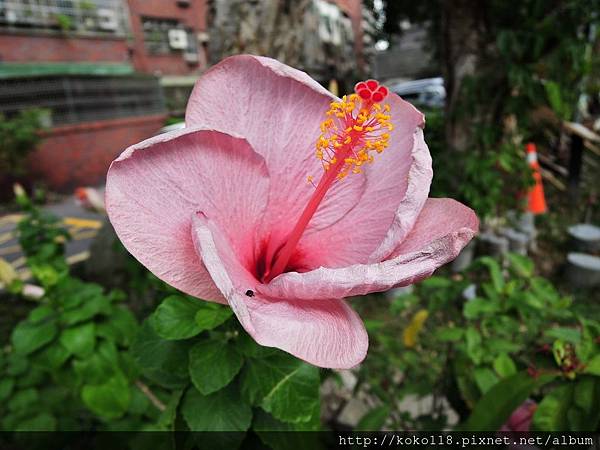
(165, 36)
(73, 16)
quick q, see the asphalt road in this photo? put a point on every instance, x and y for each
(83, 225)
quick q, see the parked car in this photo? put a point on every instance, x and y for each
(428, 92)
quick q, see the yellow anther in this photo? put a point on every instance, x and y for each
(310, 179)
(351, 133)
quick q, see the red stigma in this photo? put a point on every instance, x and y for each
(371, 90)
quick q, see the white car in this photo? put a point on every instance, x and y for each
(428, 92)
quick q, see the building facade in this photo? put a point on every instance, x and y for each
(321, 37)
(96, 68)
(107, 72)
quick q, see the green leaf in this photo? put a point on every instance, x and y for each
(52, 357)
(166, 420)
(17, 364)
(474, 347)
(504, 366)
(207, 319)
(566, 334)
(485, 378)
(496, 406)
(23, 399)
(175, 318)
(40, 313)
(28, 337)
(479, 307)
(224, 410)
(6, 387)
(94, 369)
(495, 272)
(79, 340)
(250, 349)
(164, 362)
(551, 413)
(275, 434)
(40, 422)
(90, 308)
(123, 320)
(373, 420)
(283, 386)
(449, 334)
(110, 399)
(593, 366)
(521, 265)
(213, 364)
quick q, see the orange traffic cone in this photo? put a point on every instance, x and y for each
(537, 200)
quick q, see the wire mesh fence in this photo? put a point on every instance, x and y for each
(77, 99)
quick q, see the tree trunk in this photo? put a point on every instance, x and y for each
(462, 31)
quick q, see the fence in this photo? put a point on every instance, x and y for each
(77, 99)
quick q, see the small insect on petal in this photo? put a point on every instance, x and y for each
(250, 293)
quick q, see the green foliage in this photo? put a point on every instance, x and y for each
(18, 137)
(517, 335)
(527, 67)
(80, 360)
(68, 365)
(65, 22)
(502, 399)
(227, 378)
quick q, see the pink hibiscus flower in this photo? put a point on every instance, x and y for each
(520, 419)
(222, 209)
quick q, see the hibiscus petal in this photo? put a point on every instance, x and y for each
(278, 109)
(397, 185)
(442, 229)
(324, 332)
(407, 121)
(155, 186)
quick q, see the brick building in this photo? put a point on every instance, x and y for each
(97, 68)
(107, 71)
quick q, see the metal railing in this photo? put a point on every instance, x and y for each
(79, 99)
(107, 17)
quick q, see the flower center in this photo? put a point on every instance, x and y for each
(355, 128)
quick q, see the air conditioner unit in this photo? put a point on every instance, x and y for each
(178, 39)
(107, 19)
(11, 16)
